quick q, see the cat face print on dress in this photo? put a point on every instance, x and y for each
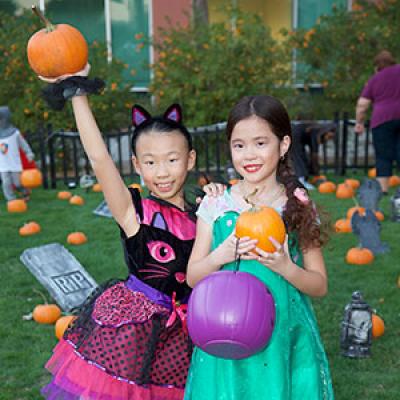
(162, 256)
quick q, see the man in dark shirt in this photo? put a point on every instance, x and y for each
(306, 138)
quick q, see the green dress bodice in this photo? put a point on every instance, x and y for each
(293, 366)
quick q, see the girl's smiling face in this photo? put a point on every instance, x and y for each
(256, 150)
(163, 160)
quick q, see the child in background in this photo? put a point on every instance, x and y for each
(130, 340)
(11, 141)
(293, 366)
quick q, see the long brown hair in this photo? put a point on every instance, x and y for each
(299, 217)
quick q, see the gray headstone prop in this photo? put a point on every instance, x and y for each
(369, 194)
(60, 273)
(367, 227)
(102, 210)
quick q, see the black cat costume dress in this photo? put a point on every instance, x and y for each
(130, 340)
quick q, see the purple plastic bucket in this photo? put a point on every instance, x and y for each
(231, 314)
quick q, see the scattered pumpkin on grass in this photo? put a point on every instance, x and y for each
(30, 228)
(394, 180)
(343, 226)
(353, 183)
(372, 172)
(64, 195)
(378, 326)
(46, 313)
(17, 206)
(62, 324)
(327, 187)
(344, 191)
(76, 238)
(76, 200)
(96, 188)
(359, 256)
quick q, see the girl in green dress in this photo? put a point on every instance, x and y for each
(293, 366)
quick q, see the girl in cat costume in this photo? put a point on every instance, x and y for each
(130, 340)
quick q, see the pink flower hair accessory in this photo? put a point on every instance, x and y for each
(301, 195)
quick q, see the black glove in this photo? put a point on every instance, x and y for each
(56, 94)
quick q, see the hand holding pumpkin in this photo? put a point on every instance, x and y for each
(278, 261)
(233, 247)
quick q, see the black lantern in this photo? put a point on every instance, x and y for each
(356, 335)
(396, 206)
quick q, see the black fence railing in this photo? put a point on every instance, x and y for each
(62, 158)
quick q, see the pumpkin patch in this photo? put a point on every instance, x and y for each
(378, 326)
(76, 238)
(76, 200)
(327, 187)
(46, 313)
(17, 206)
(359, 256)
(64, 195)
(29, 229)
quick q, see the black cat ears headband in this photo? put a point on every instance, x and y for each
(140, 115)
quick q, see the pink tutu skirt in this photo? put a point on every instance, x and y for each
(120, 348)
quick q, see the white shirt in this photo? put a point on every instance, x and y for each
(10, 159)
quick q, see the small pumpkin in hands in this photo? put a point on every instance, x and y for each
(77, 238)
(260, 223)
(378, 326)
(327, 187)
(29, 229)
(64, 195)
(56, 50)
(62, 324)
(76, 200)
(17, 206)
(359, 256)
(31, 178)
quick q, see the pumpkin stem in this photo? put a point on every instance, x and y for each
(246, 198)
(41, 295)
(355, 201)
(49, 26)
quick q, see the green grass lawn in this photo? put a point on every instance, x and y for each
(25, 345)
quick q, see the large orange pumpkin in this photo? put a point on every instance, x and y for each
(31, 178)
(62, 324)
(359, 256)
(64, 195)
(260, 223)
(394, 180)
(327, 187)
(378, 326)
(17, 206)
(343, 226)
(30, 228)
(46, 313)
(57, 49)
(344, 191)
(76, 238)
(76, 200)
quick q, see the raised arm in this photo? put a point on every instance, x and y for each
(115, 192)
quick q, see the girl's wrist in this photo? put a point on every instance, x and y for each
(289, 270)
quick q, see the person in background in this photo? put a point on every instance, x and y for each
(307, 136)
(11, 141)
(382, 91)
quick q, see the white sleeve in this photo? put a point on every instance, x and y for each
(206, 210)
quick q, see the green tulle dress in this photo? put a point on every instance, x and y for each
(293, 366)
